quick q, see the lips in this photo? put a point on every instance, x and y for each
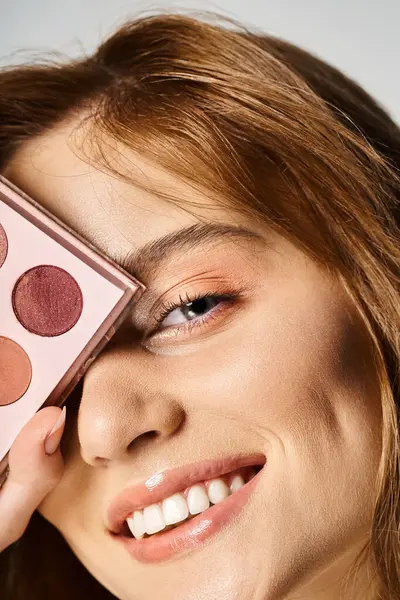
(167, 482)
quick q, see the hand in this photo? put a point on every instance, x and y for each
(35, 467)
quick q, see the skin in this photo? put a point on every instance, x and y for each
(287, 372)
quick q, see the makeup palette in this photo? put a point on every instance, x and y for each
(60, 303)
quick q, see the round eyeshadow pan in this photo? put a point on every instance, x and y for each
(15, 371)
(47, 300)
(3, 246)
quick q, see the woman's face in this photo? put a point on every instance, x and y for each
(284, 371)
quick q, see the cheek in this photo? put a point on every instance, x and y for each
(282, 362)
(299, 377)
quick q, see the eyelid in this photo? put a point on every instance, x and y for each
(169, 307)
(148, 306)
(232, 298)
(210, 286)
(222, 314)
(202, 283)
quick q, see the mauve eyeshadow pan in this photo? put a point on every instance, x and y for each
(47, 300)
(3, 246)
(15, 371)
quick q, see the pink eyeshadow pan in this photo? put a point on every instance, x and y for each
(47, 300)
(15, 371)
(3, 246)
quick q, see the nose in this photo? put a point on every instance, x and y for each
(126, 404)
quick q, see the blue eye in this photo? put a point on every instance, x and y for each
(198, 309)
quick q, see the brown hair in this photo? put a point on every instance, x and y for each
(276, 134)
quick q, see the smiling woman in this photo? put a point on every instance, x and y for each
(239, 435)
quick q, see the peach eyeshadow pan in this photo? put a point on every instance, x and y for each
(15, 371)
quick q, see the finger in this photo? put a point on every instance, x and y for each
(32, 472)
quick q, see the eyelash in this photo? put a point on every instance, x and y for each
(229, 296)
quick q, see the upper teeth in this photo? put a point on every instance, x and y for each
(176, 508)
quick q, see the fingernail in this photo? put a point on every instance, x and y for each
(53, 438)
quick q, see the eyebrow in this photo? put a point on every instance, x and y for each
(146, 262)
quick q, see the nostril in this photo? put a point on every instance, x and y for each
(149, 435)
(143, 438)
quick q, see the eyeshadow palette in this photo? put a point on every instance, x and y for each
(60, 303)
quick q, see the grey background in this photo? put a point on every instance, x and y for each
(362, 37)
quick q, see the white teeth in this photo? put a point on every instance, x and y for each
(136, 524)
(197, 500)
(153, 518)
(175, 509)
(236, 483)
(217, 490)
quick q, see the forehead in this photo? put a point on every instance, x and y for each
(114, 215)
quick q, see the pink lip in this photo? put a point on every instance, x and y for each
(165, 483)
(192, 533)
